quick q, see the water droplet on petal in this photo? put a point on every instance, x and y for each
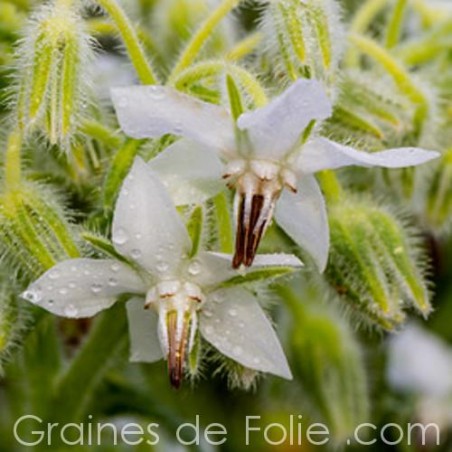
(70, 311)
(155, 93)
(120, 237)
(96, 288)
(136, 253)
(162, 266)
(207, 313)
(112, 282)
(209, 329)
(115, 267)
(72, 285)
(232, 312)
(32, 295)
(256, 361)
(54, 274)
(63, 291)
(194, 268)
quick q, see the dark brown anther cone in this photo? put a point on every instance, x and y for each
(176, 353)
(250, 229)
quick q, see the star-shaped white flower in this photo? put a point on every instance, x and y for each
(172, 293)
(259, 156)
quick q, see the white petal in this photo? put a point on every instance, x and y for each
(214, 268)
(82, 287)
(303, 217)
(152, 111)
(144, 340)
(234, 323)
(190, 171)
(146, 225)
(276, 128)
(320, 154)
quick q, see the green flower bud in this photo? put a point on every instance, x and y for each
(375, 264)
(52, 87)
(11, 322)
(438, 209)
(303, 38)
(326, 362)
(35, 234)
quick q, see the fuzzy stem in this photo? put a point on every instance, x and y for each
(361, 21)
(395, 24)
(210, 68)
(201, 36)
(131, 41)
(12, 165)
(244, 47)
(399, 74)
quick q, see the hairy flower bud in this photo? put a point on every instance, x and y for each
(375, 265)
(34, 231)
(304, 38)
(51, 88)
(438, 207)
(326, 360)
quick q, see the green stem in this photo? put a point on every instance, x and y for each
(361, 21)
(199, 71)
(395, 24)
(205, 31)
(399, 74)
(244, 47)
(76, 388)
(12, 166)
(131, 41)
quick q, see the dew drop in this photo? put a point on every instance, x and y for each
(72, 285)
(55, 274)
(207, 313)
(115, 267)
(256, 361)
(96, 288)
(136, 253)
(209, 329)
(70, 311)
(120, 237)
(162, 266)
(194, 268)
(232, 312)
(63, 291)
(112, 282)
(32, 295)
(155, 93)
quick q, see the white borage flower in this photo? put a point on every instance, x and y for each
(172, 294)
(258, 156)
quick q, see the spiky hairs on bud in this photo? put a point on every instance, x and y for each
(376, 264)
(52, 83)
(34, 231)
(303, 38)
(12, 321)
